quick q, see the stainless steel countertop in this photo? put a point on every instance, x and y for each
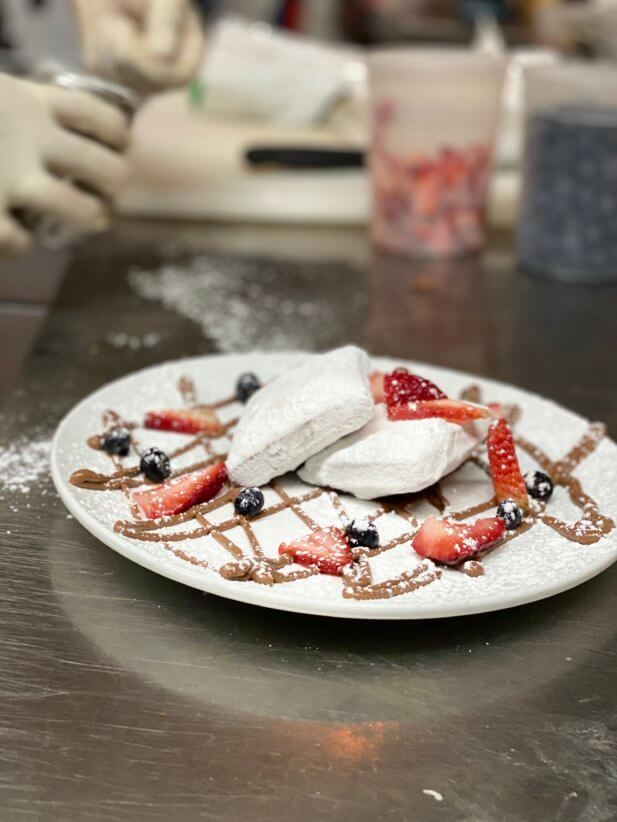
(126, 696)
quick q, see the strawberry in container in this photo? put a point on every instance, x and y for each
(436, 207)
(434, 117)
(453, 170)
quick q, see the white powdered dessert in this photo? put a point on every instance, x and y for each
(401, 457)
(563, 540)
(299, 414)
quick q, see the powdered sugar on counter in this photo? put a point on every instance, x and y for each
(22, 463)
(234, 301)
(121, 340)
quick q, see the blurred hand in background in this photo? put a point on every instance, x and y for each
(590, 26)
(147, 44)
(58, 158)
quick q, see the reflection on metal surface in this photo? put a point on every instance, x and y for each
(439, 305)
(127, 696)
(353, 744)
(285, 666)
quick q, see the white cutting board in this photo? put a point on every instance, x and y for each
(187, 165)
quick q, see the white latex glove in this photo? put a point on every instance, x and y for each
(594, 23)
(42, 158)
(146, 44)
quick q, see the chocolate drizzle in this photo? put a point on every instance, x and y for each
(406, 582)
(186, 387)
(253, 565)
(592, 525)
(434, 495)
(472, 568)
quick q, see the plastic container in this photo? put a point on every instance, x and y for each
(568, 218)
(434, 113)
(510, 134)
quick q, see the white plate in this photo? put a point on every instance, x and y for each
(535, 565)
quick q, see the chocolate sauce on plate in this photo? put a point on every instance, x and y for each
(357, 578)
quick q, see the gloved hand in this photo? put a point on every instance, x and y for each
(42, 158)
(593, 24)
(146, 44)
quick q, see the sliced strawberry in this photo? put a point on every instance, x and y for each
(452, 167)
(450, 410)
(425, 188)
(180, 494)
(377, 386)
(184, 421)
(497, 409)
(328, 549)
(450, 542)
(400, 386)
(506, 474)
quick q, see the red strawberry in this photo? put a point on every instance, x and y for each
(400, 386)
(328, 549)
(507, 479)
(180, 494)
(184, 421)
(377, 386)
(450, 410)
(425, 190)
(450, 542)
(452, 167)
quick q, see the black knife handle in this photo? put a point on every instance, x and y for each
(306, 157)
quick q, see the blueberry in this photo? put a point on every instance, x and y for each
(539, 485)
(155, 464)
(117, 441)
(246, 386)
(510, 513)
(249, 502)
(362, 532)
